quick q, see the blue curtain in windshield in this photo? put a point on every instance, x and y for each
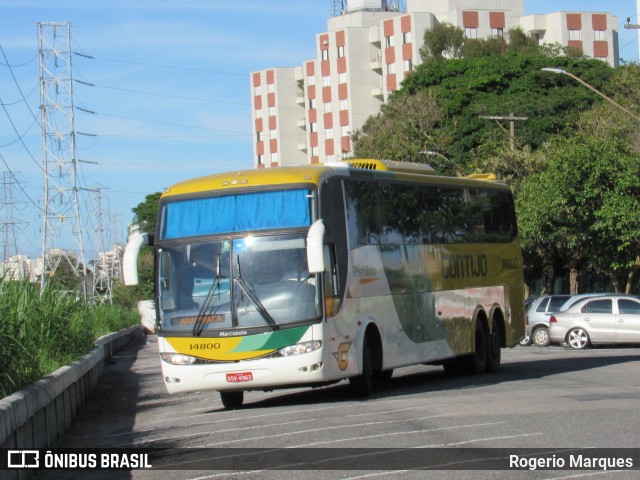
(236, 213)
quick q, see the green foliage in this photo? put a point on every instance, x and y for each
(41, 333)
(404, 130)
(146, 216)
(585, 204)
(523, 44)
(465, 89)
(475, 48)
(129, 296)
(146, 213)
(442, 41)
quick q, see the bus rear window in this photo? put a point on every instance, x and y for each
(236, 213)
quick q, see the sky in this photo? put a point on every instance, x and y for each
(161, 90)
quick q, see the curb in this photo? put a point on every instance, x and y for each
(39, 414)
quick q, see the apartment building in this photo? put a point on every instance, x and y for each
(306, 114)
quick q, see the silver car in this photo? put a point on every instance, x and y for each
(598, 320)
(537, 319)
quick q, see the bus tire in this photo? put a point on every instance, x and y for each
(476, 362)
(383, 377)
(452, 367)
(362, 385)
(232, 400)
(494, 350)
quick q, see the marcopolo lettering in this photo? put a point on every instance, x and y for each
(464, 266)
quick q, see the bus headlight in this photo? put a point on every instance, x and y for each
(178, 358)
(299, 348)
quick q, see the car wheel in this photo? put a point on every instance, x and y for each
(540, 337)
(232, 400)
(578, 339)
(526, 341)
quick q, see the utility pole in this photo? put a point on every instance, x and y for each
(61, 217)
(512, 126)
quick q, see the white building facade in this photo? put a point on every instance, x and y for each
(306, 114)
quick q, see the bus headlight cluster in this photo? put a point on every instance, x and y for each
(299, 348)
(178, 358)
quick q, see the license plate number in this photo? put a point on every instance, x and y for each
(239, 377)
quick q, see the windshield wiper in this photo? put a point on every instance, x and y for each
(198, 326)
(246, 289)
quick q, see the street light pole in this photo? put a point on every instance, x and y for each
(431, 153)
(578, 79)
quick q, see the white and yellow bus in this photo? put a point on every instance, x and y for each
(303, 276)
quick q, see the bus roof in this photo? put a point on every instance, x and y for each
(314, 174)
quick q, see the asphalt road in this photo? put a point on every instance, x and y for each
(553, 400)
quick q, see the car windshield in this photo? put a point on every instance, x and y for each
(236, 283)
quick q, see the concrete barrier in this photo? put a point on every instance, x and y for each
(38, 415)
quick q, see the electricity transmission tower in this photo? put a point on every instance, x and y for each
(11, 264)
(103, 274)
(61, 217)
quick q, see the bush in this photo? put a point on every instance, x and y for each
(40, 333)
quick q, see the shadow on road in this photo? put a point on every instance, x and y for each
(435, 380)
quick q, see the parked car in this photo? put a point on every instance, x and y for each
(578, 297)
(605, 319)
(537, 319)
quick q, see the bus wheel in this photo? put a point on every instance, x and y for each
(362, 385)
(452, 367)
(495, 347)
(383, 377)
(232, 400)
(477, 362)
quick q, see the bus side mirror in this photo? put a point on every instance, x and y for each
(130, 257)
(315, 247)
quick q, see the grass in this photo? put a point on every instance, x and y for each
(40, 333)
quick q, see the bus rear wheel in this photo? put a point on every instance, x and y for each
(476, 362)
(232, 400)
(494, 351)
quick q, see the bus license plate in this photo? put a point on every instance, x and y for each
(239, 377)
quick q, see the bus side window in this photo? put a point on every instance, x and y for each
(166, 282)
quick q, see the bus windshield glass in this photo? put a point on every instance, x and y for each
(239, 283)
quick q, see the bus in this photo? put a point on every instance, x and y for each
(309, 275)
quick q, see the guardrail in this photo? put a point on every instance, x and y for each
(38, 415)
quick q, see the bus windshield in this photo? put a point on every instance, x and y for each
(239, 283)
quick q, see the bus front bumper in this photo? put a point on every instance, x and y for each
(261, 374)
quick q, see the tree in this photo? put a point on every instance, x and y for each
(475, 48)
(128, 296)
(442, 41)
(464, 89)
(404, 130)
(521, 43)
(146, 213)
(617, 224)
(585, 203)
